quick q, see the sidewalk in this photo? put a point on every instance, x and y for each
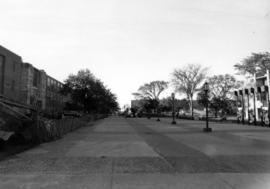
(139, 153)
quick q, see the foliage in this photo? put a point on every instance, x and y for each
(202, 98)
(187, 80)
(89, 94)
(182, 104)
(134, 110)
(166, 104)
(150, 104)
(257, 63)
(150, 93)
(220, 94)
(222, 86)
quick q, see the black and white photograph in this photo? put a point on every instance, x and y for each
(135, 94)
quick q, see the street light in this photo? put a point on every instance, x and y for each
(206, 90)
(173, 111)
(157, 103)
(85, 100)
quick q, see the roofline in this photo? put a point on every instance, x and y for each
(9, 51)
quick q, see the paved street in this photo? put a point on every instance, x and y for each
(139, 153)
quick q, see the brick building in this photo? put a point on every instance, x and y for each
(54, 99)
(33, 86)
(24, 83)
(10, 74)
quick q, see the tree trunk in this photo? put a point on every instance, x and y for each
(191, 107)
(190, 104)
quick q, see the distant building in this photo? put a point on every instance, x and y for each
(137, 103)
(54, 98)
(33, 86)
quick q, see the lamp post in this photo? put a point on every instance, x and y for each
(243, 106)
(85, 100)
(173, 111)
(157, 104)
(254, 105)
(247, 94)
(206, 90)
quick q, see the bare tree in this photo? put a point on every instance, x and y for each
(187, 80)
(151, 92)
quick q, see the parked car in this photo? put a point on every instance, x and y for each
(72, 114)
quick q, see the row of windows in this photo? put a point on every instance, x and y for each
(36, 78)
(53, 85)
(14, 66)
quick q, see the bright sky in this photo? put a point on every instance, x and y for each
(127, 43)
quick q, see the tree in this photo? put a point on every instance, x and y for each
(187, 80)
(166, 104)
(221, 88)
(151, 92)
(202, 98)
(182, 104)
(134, 110)
(89, 94)
(257, 63)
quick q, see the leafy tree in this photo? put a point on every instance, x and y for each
(187, 80)
(223, 86)
(150, 104)
(89, 94)
(220, 94)
(182, 104)
(166, 104)
(134, 110)
(202, 98)
(257, 63)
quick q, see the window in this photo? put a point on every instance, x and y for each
(13, 85)
(14, 66)
(35, 78)
(48, 82)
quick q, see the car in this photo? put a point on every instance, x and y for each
(72, 114)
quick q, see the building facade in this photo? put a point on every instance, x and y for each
(253, 102)
(10, 74)
(23, 83)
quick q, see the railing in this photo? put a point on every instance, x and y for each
(7, 101)
(7, 104)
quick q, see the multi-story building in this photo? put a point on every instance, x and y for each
(23, 83)
(10, 74)
(33, 86)
(54, 99)
(253, 102)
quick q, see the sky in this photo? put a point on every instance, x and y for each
(127, 43)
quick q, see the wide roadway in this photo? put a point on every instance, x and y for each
(140, 153)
